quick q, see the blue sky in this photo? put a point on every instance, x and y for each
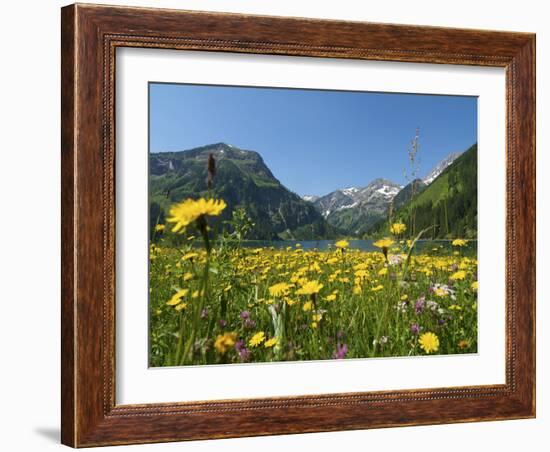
(314, 141)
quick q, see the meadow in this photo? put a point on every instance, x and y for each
(214, 300)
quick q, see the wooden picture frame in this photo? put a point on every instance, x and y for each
(90, 36)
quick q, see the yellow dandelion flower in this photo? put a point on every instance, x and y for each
(224, 342)
(459, 275)
(429, 342)
(427, 271)
(308, 306)
(377, 288)
(331, 297)
(459, 242)
(332, 260)
(181, 306)
(474, 286)
(315, 267)
(383, 271)
(159, 228)
(257, 339)
(191, 255)
(186, 212)
(290, 301)
(342, 244)
(404, 297)
(439, 292)
(397, 228)
(271, 342)
(314, 325)
(357, 290)
(187, 276)
(279, 289)
(177, 297)
(309, 288)
(384, 243)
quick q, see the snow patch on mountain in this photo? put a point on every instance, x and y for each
(440, 167)
(348, 206)
(310, 198)
(349, 191)
(388, 191)
(371, 199)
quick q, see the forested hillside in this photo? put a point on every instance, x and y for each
(448, 205)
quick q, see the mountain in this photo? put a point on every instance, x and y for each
(354, 209)
(448, 205)
(242, 180)
(418, 185)
(440, 167)
(338, 199)
(310, 198)
(408, 192)
(446, 199)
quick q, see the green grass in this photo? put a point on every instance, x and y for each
(229, 301)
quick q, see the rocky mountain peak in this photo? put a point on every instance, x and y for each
(440, 167)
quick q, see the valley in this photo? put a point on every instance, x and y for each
(446, 195)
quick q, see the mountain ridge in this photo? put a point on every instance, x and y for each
(430, 176)
(447, 207)
(440, 167)
(242, 180)
(354, 209)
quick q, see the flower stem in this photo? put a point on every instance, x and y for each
(203, 294)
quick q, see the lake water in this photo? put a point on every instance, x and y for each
(364, 245)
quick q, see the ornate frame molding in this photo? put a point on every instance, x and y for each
(90, 37)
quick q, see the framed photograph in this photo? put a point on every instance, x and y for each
(282, 225)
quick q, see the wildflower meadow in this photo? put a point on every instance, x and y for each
(216, 300)
(290, 224)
